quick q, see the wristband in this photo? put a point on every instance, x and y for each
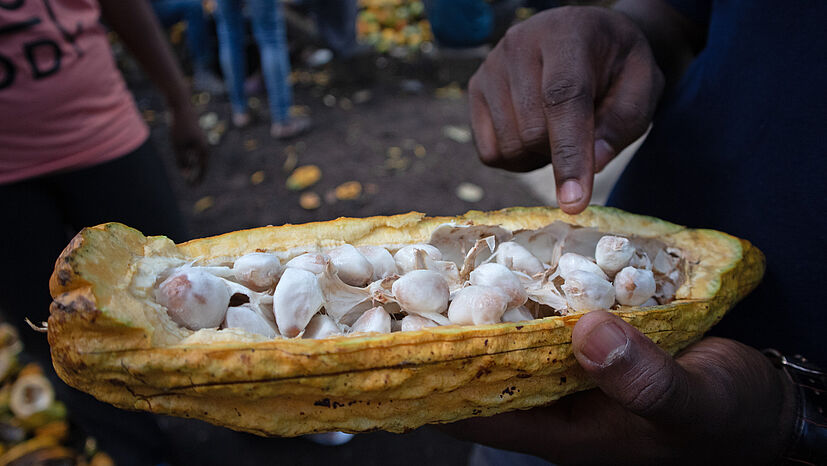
(808, 445)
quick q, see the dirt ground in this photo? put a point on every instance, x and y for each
(401, 129)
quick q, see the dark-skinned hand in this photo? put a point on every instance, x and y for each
(191, 149)
(718, 402)
(571, 87)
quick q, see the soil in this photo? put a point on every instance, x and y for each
(349, 142)
(406, 105)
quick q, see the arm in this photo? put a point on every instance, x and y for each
(137, 27)
(574, 86)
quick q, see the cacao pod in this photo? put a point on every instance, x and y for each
(125, 351)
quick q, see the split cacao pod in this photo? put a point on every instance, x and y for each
(113, 345)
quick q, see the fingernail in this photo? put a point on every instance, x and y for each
(605, 343)
(570, 192)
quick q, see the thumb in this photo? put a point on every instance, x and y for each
(630, 368)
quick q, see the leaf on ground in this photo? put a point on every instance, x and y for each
(399, 164)
(371, 188)
(290, 161)
(201, 99)
(220, 127)
(460, 134)
(303, 177)
(213, 138)
(469, 192)
(208, 121)
(419, 151)
(310, 200)
(250, 145)
(449, 92)
(149, 115)
(203, 204)
(348, 191)
(257, 177)
(299, 111)
(176, 32)
(362, 96)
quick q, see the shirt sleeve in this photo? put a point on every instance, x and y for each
(696, 10)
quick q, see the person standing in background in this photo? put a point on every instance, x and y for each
(170, 12)
(75, 152)
(270, 35)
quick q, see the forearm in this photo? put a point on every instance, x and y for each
(675, 40)
(138, 28)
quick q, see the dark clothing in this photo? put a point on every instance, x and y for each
(40, 216)
(336, 20)
(170, 12)
(740, 145)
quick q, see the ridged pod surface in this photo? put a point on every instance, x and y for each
(107, 342)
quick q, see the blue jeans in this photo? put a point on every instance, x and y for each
(170, 12)
(336, 20)
(270, 35)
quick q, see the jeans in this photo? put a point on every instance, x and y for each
(336, 20)
(270, 35)
(170, 12)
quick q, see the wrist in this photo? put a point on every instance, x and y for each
(178, 98)
(803, 423)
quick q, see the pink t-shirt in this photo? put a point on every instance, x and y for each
(63, 103)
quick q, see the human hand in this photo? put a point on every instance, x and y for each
(718, 402)
(570, 86)
(191, 150)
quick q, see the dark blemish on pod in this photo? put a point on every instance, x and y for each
(63, 277)
(325, 402)
(519, 327)
(562, 380)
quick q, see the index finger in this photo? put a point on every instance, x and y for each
(568, 105)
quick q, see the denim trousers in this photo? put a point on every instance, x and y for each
(336, 20)
(270, 35)
(170, 12)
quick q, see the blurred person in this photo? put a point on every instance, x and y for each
(336, 21)
(75, 152)
(472, 23)
(269, 32)
(737, 145)
(170, 12)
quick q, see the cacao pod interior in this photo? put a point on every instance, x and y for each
(109, 340)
